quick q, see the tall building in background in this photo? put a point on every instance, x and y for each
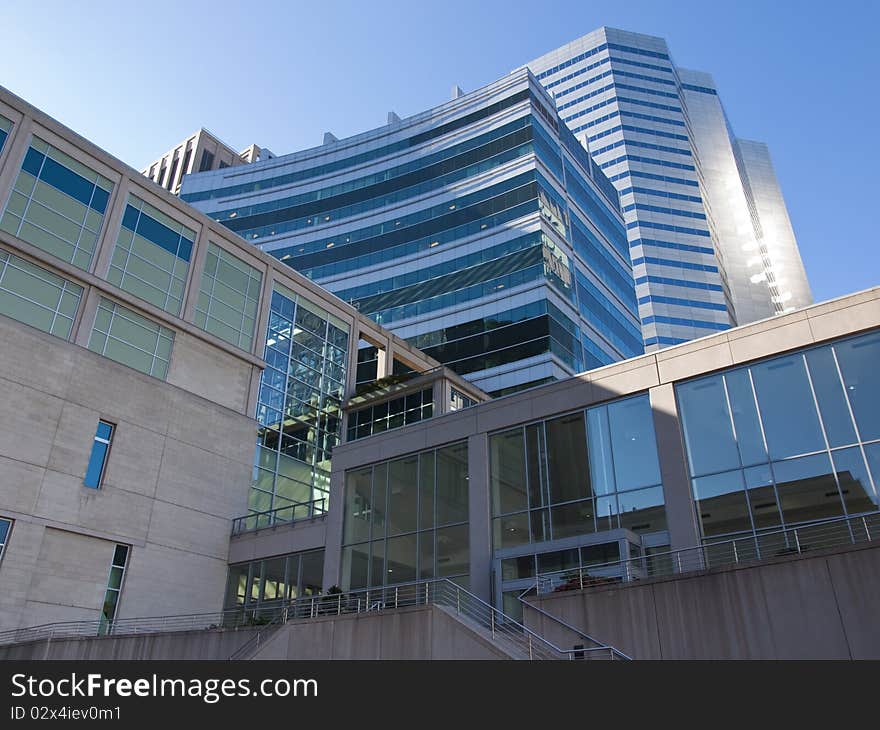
(199, 152)
(761, 257)
(709, 236)
(479, 230)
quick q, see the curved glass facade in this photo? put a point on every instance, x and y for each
(464, 209)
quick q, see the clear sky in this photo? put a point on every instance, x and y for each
(137, 77)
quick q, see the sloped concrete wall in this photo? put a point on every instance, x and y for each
(422, 632)
(825, 606)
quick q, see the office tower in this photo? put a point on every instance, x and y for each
(479, 231)
(761, 257)
(702, 257)
(199, 152)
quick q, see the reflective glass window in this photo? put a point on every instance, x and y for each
(807, 489)
(567, 466)
(855, 481)
(858, 360)
(131, 339)
(721, 503)
(508, 472)
(788, 411)
(37, 297)
(228, 298)
(633, 443)
(100, 451)
(57, 204)
(705, 420)
(151, 256)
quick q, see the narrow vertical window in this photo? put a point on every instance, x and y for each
(5, 529)
(100, 451)
(114, 587)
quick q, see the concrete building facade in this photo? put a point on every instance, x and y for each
(136, 336)
(199, 152)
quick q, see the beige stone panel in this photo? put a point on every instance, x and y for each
(205, 370)
(198, 479)
(184, 529)
(73, 440)
(19, 485)
(135, 456)
(28, 419)
(844, 321)
(764, 339)
(64, 499)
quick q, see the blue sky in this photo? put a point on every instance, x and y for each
(135, 78)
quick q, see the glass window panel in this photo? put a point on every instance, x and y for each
(745, 418)
(380, 487)
(273, 583)
(540, 524)
(511, 530)
(535, 464)
(355, 564)
(576, 518)
(358, 503)
(402, 497)
(312, 573)
(855, 483)
(831, 396)
(452, 484)
(721, 503)
(426, 554)
(601, 460)
(401, 559)
(788, 411)
(633, 444)
(762, 497)
(453, 555)
(521, 567)
(426, 490)
(508, 472)
(377, 563)
(228, 297)
(236, 585)
(606, 552)
(705, 421)
(558, 560)
(807, 489)
(858, 360)
(872, 454)
(567, 467)
(606, 513)
(642, 510)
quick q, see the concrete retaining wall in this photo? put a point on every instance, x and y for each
(172, 645)
(825, 606)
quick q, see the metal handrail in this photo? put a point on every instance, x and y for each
(228, 619)
(817, 535)
(295, 512)
(504, 630)
(564, 624)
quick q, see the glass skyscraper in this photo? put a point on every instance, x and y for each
(709, 237)
(479, 230)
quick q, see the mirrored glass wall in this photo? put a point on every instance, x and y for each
(407, 519)
(785, 441)
(577, 474)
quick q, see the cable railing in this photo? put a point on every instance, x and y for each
(807, 537)
(296, 512)
(503, 630)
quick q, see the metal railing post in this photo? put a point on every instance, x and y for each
(492, 619)
(581, 577)
(735, 554)
(339, 607)
(797, 542)
(458, 599)
(396, 597)
(867, 531)
(530, 647)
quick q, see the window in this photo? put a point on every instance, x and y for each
(207, 161)
(131, 339)
(5, 529)
(100, 451)
(57, 204)
(114, 588)
(5, 126)
(37, 297)
(784, 441)
(228, 298)
(406, 519)
(152, 255)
